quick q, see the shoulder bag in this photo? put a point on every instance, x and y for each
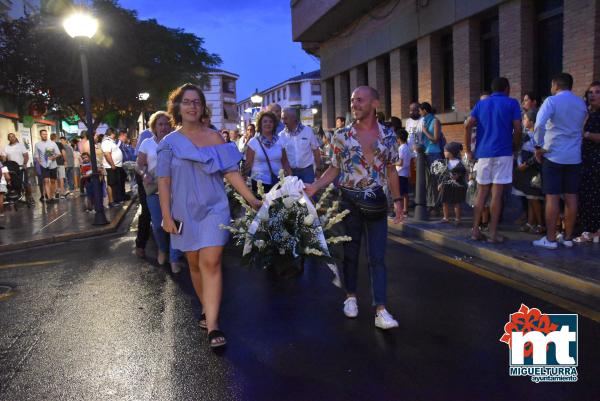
(274, 177)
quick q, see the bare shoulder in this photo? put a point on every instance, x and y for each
(214, 137)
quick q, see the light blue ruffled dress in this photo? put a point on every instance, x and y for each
(198, 197)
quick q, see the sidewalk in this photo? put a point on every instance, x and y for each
(56, 222)
(573, 274)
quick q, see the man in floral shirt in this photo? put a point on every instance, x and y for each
(365, 154)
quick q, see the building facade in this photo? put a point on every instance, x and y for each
(220, 92)
(445, 52)
(302, 92)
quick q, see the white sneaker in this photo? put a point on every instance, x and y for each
(384, 320)
(545, 243)
(175, 267)
(560, 238)
(350, 307)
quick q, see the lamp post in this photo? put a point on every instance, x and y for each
(143, 97)
(421, 189)
(83, 27)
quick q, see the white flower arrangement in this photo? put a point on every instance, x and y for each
(288, 225)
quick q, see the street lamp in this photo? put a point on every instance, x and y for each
(82, 27)
(314, 110)
(143, 97)
(256, 98)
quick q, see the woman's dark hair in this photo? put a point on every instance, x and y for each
(427, 107)
(174, 103)
(533, 97)
(262, 115)
(396, 124)
(402, 135)
(531, 115)
(587, 91)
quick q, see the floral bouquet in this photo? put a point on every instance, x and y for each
(48, 153)
(440, 169)
(288, 227)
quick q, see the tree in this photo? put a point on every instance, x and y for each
(127, 56)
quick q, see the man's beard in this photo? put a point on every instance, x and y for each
(415, 116)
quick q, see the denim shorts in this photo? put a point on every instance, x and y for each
(560, 179)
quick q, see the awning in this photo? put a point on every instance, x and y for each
(15, 116)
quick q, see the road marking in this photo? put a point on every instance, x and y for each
(30, 264)
(53, 221)
(536, 292)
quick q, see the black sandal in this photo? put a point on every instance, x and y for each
(215, 335)
(202, 322)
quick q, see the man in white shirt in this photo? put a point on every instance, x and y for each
(46, 153)
(301, 146)
(113, 164)
(559, 145)
(15, 151)
(414, 127)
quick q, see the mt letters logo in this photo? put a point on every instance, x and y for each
(542, 346)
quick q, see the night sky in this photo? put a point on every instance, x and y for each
(254, 38)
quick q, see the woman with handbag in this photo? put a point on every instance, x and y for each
(146, 166)
(265, 155)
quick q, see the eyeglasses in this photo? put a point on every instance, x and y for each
(188, 103)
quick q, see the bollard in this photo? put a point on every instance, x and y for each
(420, 187)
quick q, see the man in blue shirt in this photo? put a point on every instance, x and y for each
(498, 121)
(563, 115)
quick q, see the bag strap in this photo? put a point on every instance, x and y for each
(267, 156)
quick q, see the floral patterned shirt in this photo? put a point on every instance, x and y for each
(356, 172)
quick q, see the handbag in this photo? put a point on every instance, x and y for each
(371, 203)
(274, 177)
(536, 181)
(152, 187)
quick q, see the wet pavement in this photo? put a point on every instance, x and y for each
(87, 320)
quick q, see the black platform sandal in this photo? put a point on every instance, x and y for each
(216, 339)
(202, 322)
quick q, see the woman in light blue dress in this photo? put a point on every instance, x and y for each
(192, 162)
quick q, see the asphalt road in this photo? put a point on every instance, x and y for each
(87, 320)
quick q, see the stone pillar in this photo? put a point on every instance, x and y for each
(328, 104)
(467, 65)
(581, 42)
(358, 77)
(342, 97)
(400, 82)
(516, 23)
(429, 57)
(376, 80)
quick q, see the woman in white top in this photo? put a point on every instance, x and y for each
(265, 168)
(160, 126)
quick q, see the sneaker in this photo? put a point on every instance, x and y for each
(384, 320)
(350, 307)
(560, 238)
(545, 243)
(175, 267)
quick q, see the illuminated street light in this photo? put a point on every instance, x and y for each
(256, 98)
(314, 110)
(82, 27)
(144, 96)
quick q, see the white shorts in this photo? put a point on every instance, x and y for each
(61, 172)
(494, 170)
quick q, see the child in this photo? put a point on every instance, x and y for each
(86, 181)
(526, 169)
(403, 166)
(453, 185)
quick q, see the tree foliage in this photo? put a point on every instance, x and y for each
(40, 62)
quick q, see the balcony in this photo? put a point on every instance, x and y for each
(314, 21)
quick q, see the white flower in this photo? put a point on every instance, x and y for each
(281, 251)
(247, 247)
(288, 202)
(309, 220)
(260, 244)
(342, 238)
(312, 251)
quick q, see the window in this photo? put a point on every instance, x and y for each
(490, 53)
(284, 93)
(294, 91)
(315, 89)
(549, 32)
(414, 73)
(447, 73)
(229, 112)
(279, 95)
(228, 86)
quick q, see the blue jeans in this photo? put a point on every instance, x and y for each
(160, 236)
(69, 175)
(307, 174)
(376, 237)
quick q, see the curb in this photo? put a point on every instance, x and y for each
(58, 238)
(508, 266)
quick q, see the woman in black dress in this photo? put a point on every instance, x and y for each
(589, 193)
(452, 182)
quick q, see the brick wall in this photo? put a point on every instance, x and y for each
(357, 77)
(400, 82)
(342, 97)
(430, 72)
(581, 42)
(376, 79)
(328, 101)
(516, 24)
(467, 64)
